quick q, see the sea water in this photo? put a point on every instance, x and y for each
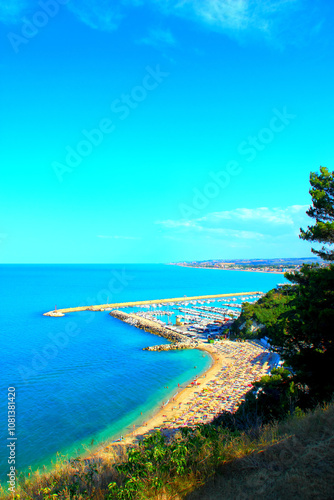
(84, 378)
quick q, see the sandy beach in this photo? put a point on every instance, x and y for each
(222, 387)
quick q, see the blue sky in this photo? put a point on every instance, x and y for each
(158, 131)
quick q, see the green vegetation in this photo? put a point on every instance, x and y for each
(322, 192)
(157, 467)
(298, 466)
(298, 319)
(303, 335)
(255, 319)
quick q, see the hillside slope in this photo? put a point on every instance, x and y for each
(301, 465)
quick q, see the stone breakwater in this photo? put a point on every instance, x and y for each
(171, 347)
(103, 307)
(178, 340)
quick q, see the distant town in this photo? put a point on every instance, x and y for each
(279, 266)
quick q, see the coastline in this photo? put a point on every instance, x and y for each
(220, 269)
(182, 396)
(229, 370)
(221, 387)
(148, 403)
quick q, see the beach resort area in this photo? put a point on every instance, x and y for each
(200, 324)
(236, 365)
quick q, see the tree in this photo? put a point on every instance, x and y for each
(303, 334)
(322, 192)
(273, 396)
(263, 313)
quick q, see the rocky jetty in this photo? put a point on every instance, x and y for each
(178, 340)
(171, 347)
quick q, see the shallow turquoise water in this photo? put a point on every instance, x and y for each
(84, 378)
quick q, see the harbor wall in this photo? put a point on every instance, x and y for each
(178, 340)
(102, 307)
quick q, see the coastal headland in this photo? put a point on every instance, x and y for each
(103, 307)
(251, 270)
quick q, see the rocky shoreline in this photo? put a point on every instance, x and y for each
(171, 347)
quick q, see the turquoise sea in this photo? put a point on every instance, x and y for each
(84, 378)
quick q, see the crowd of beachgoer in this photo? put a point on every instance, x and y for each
(245, 363)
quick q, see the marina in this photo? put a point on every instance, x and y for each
(186, 322)
(186, 300)
(192, 321)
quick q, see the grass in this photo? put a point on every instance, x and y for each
(291, 459)
(299, 465)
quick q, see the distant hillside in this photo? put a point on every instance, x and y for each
(258, 262)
